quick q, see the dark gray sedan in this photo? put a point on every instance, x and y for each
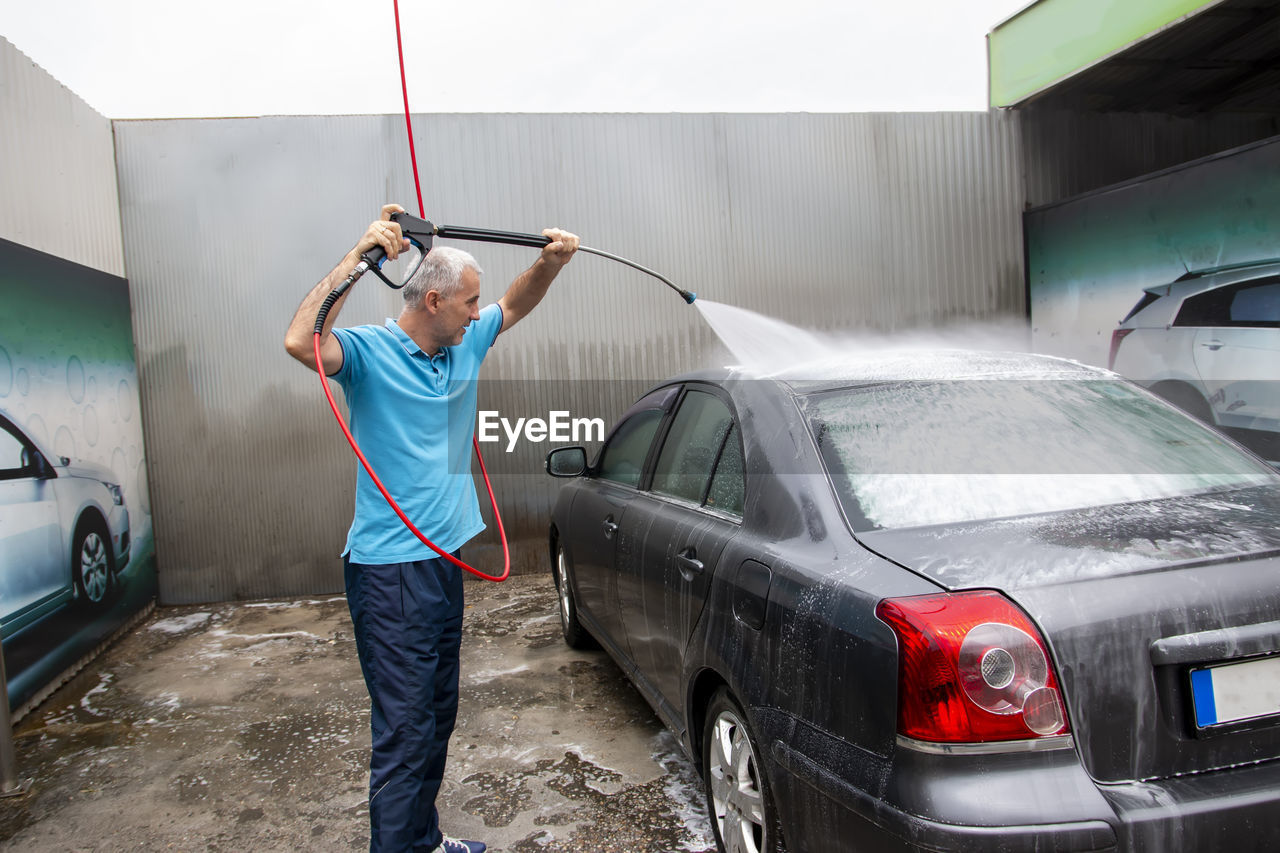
(949, 601)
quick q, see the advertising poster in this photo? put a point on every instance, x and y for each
(1173, 281)
(77, 556)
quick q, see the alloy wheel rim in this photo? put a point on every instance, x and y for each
(735, 787)
(93, 567)
(562, 578)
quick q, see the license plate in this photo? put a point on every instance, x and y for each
(1236, 691)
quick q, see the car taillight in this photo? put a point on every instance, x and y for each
(972, 668)
(1117, 336)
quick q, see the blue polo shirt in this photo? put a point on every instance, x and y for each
(413, 415)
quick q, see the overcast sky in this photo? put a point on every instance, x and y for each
(157, 59)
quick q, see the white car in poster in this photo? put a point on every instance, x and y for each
(1210, 343)
(64, 531)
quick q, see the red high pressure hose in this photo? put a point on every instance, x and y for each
(502, 533)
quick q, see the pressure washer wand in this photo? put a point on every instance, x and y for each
(420, 232)
(458, 232)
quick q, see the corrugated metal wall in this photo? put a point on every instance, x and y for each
(882, 221)
(57, 168)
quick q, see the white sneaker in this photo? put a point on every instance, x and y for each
(457, 845)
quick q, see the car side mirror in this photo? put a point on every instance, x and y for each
(39, 466)
(567, 461)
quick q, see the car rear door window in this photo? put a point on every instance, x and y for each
(1206, 309)
(726, 493)
(689, 452)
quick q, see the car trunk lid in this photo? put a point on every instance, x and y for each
(1133, 599)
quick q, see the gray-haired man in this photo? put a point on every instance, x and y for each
(406, 382)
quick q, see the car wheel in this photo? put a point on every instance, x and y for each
(576, 636)
(91, 563)
(738, 796)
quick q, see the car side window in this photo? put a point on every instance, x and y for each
(14, 461)
(726, 493)
(1257, 306)
(622, 459)
(1206, 309)
(1249, 304)
(689, 452)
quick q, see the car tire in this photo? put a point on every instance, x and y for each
(575, 636)
(739, 800)
(91, 567)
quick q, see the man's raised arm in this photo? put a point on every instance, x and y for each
(531, 285)
(298, 340)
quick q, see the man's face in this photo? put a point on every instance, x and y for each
(458, 311)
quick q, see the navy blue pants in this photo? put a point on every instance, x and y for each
(408, 626)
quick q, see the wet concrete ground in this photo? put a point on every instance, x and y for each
(246, 727)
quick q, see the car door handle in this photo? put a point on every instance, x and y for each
(690, 565)
(610, 527)
(1213, 345)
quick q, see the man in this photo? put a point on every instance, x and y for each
(411, 390)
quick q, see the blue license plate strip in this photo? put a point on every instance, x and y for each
(1235, 692)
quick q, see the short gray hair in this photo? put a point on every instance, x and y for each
(441, 270)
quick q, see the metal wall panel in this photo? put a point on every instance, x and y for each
(57, 167)
(877, 221)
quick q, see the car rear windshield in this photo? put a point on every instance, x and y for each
(907, 454)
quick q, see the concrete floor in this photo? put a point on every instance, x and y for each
(246, 727)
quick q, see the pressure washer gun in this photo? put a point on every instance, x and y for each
(420, 233)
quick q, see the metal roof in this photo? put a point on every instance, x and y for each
(1222, 59)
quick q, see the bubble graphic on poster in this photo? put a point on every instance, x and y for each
(6, 373)
(124, 401)
(23, 381)
(118, 466)
(64, 443)
(90, 425)
(91, 389)
(37, 430)
(75, 379)
(144, 494)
